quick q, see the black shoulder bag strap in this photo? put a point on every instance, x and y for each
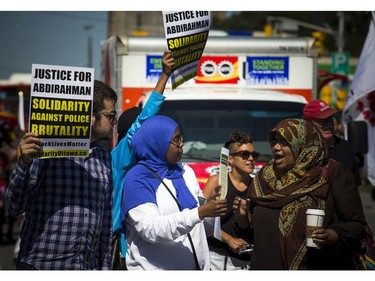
(179, 207)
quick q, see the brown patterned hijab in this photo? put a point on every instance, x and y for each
(302, 187)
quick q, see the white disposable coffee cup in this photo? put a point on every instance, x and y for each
(314, 221)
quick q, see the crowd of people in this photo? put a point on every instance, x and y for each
(73, 205)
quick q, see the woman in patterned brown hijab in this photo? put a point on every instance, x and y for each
(301, 177)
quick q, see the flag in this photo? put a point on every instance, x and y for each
(360, 104)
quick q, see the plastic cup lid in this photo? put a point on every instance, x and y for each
(317, 212)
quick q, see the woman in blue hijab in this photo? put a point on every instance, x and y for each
(165, 226)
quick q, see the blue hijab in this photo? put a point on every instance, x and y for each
(150, 145)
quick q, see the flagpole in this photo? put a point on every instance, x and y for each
(21, 117)
(359, 104)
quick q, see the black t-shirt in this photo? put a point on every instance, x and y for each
(343, 153)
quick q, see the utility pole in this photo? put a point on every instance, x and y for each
(88, 27)
(340, 33)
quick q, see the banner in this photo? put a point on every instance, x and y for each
(186, 33)
(267, 71)
(61, 108)
(360, 104)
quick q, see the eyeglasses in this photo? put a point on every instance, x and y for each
(111, 116)
(283, 142)
(245, 154)
(177, 140)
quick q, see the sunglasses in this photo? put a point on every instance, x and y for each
(283, 142)
(245, 154)
(325, 124)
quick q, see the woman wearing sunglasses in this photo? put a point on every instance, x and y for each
(225, 254)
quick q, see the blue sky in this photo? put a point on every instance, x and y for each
(52, 33)
(49, 37)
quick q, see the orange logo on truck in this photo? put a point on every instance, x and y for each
(218, 70)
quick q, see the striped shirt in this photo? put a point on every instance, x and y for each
(67, 203)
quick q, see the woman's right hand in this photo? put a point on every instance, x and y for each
(29, 145)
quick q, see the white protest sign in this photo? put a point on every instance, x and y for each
(61, 109)
(186, 33)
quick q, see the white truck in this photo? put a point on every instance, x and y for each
(243, 83)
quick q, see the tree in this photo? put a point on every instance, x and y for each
(355, 27)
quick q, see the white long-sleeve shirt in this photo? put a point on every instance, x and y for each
(157, 234)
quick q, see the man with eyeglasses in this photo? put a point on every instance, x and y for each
(321, 115)
(67, 202)
(226, 254)
(129, 122)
